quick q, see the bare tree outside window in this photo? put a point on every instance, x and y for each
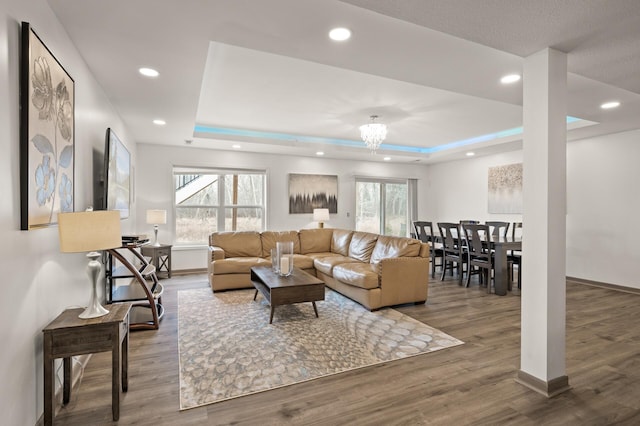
(209, 202)
(382, 207)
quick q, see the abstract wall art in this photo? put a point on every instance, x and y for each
(505, 189)
(308, 192)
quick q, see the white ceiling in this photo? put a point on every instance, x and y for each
(263, 74)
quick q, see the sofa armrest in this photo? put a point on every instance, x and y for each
(215, 253)
(404, 280)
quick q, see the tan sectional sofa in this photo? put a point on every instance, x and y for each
(374, 270)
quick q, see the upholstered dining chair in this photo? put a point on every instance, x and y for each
(452, 248)
(424, 232)
(478, 242)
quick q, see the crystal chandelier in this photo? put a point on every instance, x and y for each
(373, 134)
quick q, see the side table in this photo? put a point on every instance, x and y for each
(160, 257)
(68, 335)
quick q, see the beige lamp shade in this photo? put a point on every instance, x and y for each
(156, 217)
(320, 215)
(89, 231)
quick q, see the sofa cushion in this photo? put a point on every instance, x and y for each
(315, 240)
(237, 265)
(270, 238)
(340, 240)
(326, 264)
(361, 246)
(238, 244)
(363, 275)
(321, 254)
(303, 262)
(387, 247)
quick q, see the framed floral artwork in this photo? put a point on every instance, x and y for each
(47, 134)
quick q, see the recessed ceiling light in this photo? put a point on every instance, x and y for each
(470, 154)
(236, 146)
(609, 105)
(320, 153)
(159, 122)
(387, 158)
(510, 78)
(148, 72)
(340, 34)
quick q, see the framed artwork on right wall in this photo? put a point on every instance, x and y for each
(505, 189)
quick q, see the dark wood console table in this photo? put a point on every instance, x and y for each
(69, 335)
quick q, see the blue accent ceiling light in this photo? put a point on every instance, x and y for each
(256, 134)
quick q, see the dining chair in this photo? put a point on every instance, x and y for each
(515, 256)
(479, 254)
(424, 232)
(498, 229)
(451, 247)
(464, 252)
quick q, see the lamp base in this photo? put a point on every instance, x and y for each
(156, 243)
(320, 225)
(95, 309)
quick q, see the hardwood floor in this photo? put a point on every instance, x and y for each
(469, 384)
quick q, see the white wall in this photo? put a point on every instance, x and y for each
(38, 282)
(602, 203)
(602, 209)
(155, 187)
(459, 189)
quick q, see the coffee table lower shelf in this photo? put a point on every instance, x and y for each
(299, 287)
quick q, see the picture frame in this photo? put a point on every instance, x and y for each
(505, 189)
(47, 134)
(308, 192)
(118, 175)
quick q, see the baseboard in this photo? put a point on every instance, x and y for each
(604, 285)
(189, 271)
(549, 388)
(76, 376)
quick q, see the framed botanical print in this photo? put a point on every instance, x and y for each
(47, 134)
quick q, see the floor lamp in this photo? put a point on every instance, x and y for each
(89, 232)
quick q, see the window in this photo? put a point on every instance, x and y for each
(382, 206)
(217, 200)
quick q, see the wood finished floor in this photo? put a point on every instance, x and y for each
(469, 384)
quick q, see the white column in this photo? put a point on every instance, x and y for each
(542, 360)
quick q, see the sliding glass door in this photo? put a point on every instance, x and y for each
(382, 206)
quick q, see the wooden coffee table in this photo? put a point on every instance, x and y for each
(298, 287)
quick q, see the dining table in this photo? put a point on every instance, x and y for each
(501, 246)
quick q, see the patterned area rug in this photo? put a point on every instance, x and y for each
(228, 348)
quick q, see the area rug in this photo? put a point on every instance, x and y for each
(228, 349)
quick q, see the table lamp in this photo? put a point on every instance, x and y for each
(155, 218)
(321, 216)
(90, 231)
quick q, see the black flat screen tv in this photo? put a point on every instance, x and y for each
(117, 166)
